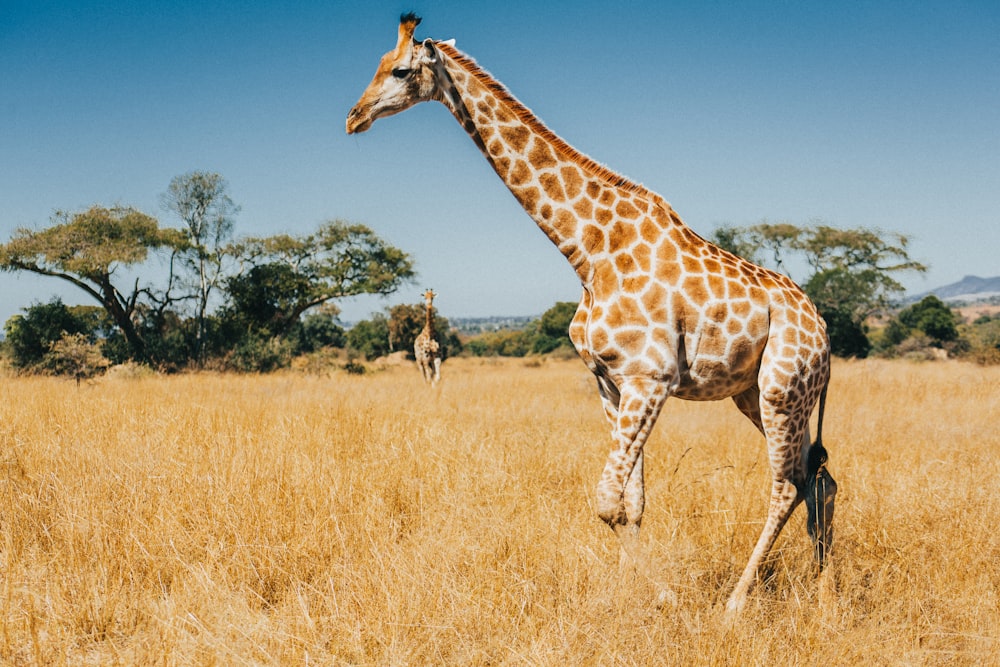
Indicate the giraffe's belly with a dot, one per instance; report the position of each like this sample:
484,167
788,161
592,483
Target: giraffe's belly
699,369
713,381
704,382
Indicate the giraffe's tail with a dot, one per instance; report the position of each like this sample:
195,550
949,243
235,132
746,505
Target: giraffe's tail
817,453
820,490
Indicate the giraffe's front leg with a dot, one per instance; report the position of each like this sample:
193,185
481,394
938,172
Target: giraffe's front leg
621,490
633,408
620,504
633,502
436,373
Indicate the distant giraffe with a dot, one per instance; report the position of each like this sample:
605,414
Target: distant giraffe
425,347
663,312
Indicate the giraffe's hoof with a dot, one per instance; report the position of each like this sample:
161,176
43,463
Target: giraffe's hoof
734,606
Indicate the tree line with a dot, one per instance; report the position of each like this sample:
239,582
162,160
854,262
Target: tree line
255,303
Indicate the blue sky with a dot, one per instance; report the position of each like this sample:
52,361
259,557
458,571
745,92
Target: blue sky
883,115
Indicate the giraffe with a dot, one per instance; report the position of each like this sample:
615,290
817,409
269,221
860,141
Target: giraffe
425,347
663,312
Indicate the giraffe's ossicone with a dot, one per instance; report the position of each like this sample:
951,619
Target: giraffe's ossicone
663,312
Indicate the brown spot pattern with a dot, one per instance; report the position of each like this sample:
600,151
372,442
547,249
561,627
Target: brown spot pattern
584,208
516,136
553,187
572,181
520,174
541,156
627,210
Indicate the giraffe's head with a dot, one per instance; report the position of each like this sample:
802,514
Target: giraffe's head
429,297
405,76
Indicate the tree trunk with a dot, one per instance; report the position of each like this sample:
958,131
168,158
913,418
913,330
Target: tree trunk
123,318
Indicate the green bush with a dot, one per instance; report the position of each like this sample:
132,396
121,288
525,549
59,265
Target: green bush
983,337
930,316
370,337
74,355
31,336
257,354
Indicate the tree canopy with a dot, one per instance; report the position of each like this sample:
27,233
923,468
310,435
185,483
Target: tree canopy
31,336
553,328
87,249
286,275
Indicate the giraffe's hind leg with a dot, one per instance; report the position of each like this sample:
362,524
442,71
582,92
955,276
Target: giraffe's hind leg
784,423
798,469
784,499
819,489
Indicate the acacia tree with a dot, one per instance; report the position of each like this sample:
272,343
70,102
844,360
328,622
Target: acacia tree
763,243
87,250
869,259
200,200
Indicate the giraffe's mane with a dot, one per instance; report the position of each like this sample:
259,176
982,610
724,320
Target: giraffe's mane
525,114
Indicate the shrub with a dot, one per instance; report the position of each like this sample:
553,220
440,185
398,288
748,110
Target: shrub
256,354
983,338
370,337
31,336
354,367
75,356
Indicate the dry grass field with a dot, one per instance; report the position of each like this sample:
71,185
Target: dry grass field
297,519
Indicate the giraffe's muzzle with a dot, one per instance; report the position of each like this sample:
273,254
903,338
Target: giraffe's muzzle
357,121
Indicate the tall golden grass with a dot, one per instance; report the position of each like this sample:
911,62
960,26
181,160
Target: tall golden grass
346,520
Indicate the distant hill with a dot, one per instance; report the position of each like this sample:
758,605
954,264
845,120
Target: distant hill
968,289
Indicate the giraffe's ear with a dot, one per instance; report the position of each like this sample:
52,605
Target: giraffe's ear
429,50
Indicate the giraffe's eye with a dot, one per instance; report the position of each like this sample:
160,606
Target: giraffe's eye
401,72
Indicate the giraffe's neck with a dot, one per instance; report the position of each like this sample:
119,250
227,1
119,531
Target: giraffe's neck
429,321
573,199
